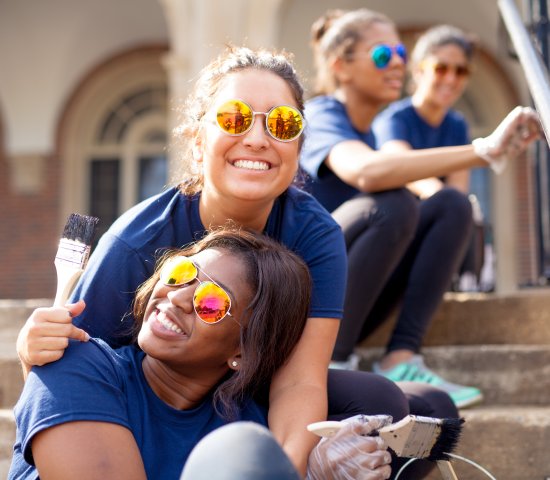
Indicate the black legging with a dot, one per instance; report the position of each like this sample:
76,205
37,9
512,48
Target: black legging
246,451
352,393
400,249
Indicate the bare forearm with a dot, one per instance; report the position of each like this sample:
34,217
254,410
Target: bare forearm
389,170
298,392
383,170
289,415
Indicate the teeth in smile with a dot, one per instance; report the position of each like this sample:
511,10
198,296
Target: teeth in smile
251,165
168,324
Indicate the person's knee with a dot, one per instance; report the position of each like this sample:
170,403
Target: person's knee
354,392
456,204
429,401
240,450
398,214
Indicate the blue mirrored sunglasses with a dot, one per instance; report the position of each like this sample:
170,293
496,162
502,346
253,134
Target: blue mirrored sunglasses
382,53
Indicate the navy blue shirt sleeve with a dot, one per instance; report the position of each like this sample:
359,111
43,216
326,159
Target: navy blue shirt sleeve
389,126
319,240
305,227
327,125
84,385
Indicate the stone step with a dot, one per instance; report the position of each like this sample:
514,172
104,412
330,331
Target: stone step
484,318
510,442
462,319
499,343
507,374
11,382
13,313
7,439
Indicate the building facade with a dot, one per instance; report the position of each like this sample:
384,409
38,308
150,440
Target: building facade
87,91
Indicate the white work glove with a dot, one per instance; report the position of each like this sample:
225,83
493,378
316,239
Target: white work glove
514,134
351,454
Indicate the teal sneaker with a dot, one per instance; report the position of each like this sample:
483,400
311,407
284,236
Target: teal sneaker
416,371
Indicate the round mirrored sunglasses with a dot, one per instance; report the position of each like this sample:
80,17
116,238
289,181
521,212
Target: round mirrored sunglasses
283,122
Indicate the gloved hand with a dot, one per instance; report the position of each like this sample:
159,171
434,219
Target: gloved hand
350,454
514,134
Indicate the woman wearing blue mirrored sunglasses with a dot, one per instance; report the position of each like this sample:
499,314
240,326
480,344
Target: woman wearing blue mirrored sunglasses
401,251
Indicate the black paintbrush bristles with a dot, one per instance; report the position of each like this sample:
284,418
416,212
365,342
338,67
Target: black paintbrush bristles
80,228
72,254
447,440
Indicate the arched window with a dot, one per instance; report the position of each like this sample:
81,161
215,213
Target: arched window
113,136
127,162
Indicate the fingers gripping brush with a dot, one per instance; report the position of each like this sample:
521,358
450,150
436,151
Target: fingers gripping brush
414,437
73,253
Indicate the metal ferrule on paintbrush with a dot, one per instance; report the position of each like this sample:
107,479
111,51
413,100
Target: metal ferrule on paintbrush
73,253
423,437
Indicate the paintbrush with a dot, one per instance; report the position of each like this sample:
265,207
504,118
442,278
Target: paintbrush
412,437
73,253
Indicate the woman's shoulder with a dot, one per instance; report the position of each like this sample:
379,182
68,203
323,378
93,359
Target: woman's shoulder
323,103
301,203
94,355
302,223
151,224
84,365
148,211
456,117
399,108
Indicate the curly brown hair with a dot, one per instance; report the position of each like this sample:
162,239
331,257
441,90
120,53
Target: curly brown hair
272,323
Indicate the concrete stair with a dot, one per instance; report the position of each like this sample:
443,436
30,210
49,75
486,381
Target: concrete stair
13,314
499,343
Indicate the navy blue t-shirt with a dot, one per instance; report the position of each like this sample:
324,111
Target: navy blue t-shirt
125,256
327,125
93,382
401,121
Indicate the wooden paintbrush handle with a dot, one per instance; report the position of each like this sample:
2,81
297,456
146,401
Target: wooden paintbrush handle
447,470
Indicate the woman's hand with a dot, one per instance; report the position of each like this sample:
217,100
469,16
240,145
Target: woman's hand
45,335
514,134
351,454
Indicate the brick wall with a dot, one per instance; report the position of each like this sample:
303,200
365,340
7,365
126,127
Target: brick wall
29,233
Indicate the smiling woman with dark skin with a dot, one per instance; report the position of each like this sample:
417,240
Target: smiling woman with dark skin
215,322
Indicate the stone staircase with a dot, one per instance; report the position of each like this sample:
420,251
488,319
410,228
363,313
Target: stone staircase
499,343
13,314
